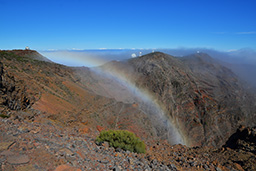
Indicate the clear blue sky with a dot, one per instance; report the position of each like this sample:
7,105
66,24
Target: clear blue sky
90,24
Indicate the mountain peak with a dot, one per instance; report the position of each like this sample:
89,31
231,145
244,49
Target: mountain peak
155,55
155,61
199,58
200,55
27,53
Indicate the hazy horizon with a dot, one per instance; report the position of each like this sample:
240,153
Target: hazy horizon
95,57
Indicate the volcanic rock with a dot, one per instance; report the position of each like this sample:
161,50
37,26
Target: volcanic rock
243,139
18,159
58,127
203,99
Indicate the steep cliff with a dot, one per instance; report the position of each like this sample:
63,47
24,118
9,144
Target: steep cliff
204,100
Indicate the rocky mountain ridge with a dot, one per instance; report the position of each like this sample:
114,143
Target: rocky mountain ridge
204,99
55,90
51,115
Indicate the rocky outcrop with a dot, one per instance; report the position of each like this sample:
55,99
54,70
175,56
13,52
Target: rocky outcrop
243,139
205,101
13,93
55,91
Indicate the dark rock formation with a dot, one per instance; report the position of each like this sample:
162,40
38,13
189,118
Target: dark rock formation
243,139
13,93
205,100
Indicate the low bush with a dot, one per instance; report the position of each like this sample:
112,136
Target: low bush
122,139
4,116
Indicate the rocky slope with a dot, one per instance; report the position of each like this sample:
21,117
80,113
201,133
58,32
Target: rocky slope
46,145
51,115
203,99
37,87
30,55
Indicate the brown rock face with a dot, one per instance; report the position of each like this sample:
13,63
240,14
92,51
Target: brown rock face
68,107
13,93
243,139
18,159
205,100
30,87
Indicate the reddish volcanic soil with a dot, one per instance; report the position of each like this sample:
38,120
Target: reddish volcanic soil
50,116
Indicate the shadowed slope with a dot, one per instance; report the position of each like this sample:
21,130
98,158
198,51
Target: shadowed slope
204,100
32,88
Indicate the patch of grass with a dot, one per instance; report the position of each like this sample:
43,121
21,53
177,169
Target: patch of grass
122,139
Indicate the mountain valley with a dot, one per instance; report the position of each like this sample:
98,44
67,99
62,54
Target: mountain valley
192,112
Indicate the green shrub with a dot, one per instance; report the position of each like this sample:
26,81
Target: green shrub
4,116
122,139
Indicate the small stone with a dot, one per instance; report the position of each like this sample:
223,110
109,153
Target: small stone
154,161
66,151
106,144
98,143
5,145
84,130
100,128
27,168
66,168
130,160
117,168
239,167
18,159
104,161
218,169
192,163
2,159
81,154
7,153
118,149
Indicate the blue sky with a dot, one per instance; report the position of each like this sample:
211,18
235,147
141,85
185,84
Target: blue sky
88,24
